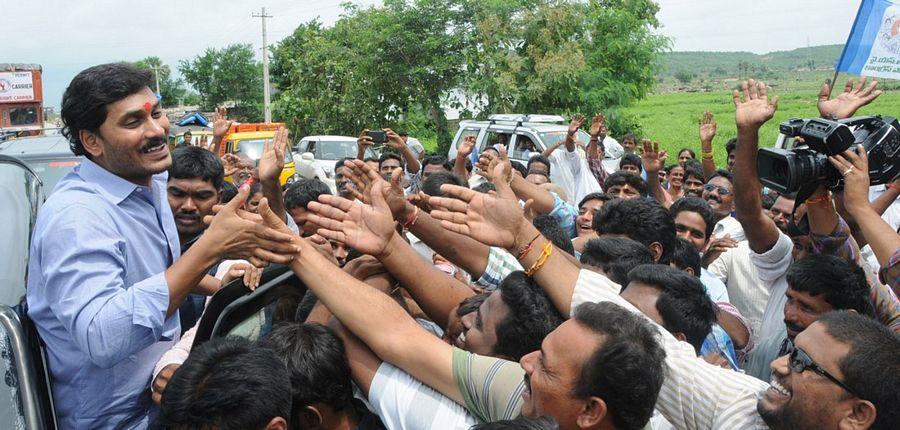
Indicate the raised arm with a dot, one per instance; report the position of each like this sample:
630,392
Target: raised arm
854,166
462,156
598,133
363,143
271,164
848,102
221,124
752,109
654,160
707,134
369,314
396,142
498,220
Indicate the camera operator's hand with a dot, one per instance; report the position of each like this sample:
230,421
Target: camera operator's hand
752,105
853,165
394,139
848,102
364,141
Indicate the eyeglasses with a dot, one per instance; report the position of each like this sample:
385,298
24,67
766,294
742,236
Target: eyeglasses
723,190
800,361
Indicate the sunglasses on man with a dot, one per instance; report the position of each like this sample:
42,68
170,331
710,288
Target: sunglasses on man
723,190
801,361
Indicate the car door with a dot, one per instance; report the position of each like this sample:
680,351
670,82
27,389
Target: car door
236,311
25,401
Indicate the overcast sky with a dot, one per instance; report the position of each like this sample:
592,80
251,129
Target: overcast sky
66,36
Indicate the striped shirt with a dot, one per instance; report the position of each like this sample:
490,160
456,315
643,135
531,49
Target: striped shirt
694,394
492,387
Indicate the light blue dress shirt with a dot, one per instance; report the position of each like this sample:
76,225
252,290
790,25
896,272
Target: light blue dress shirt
98,294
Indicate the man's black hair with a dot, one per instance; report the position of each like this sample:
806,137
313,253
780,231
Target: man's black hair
683,303
871,367
626,178
697,206
471,304
631,159
631,136
228,192
194,162
603,197
531,316
842,283
520,423
689,150
721,173
387,156
519,167
696,173
437,160
402,133
685,256
539,158
626,370
616,256
340,163
85,100
432,185
730,145
317,364
485,187
372,160
303,191
550,229
227,383
643,220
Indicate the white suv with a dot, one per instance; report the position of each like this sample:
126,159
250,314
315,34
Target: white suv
525,136
315,156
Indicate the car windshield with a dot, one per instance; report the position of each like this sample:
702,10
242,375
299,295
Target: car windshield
552,137
51,171
254,149
336,150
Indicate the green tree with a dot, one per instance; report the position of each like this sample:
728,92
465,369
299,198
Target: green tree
230,74
172,90
684,76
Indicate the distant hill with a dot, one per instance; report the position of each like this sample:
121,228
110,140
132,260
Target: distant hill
720,64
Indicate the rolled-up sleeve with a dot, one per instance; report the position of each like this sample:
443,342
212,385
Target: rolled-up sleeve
108,316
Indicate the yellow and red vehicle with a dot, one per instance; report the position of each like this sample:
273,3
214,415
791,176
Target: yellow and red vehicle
250,139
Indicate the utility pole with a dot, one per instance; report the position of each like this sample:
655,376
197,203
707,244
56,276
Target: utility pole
156,75
267,103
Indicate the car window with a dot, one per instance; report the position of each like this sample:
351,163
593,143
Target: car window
336,150
21,191
52,171
496,138
466,132
524,147
254,149
552,137
301,147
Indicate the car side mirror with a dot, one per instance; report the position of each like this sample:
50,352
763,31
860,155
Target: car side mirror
308,156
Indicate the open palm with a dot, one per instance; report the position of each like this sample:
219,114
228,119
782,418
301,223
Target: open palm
848,102
752,105
366,228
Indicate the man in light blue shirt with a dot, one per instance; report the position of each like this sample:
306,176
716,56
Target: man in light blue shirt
106,276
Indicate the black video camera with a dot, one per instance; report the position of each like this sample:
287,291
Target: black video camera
805,165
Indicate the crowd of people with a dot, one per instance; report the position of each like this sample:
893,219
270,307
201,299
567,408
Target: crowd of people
446,294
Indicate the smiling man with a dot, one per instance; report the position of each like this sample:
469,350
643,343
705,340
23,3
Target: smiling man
106,274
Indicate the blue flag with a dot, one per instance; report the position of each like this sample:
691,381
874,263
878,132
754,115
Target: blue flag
873,48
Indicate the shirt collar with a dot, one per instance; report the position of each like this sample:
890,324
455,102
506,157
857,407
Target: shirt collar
116,187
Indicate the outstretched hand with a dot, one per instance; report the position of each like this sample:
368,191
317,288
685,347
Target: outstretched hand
575,124
271,162
366,228
848,102
598,126
221,124
465,148
853,165
652,158
492,219
707,128
364,177
752,105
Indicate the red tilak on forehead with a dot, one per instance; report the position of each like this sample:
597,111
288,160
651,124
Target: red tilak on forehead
148,107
